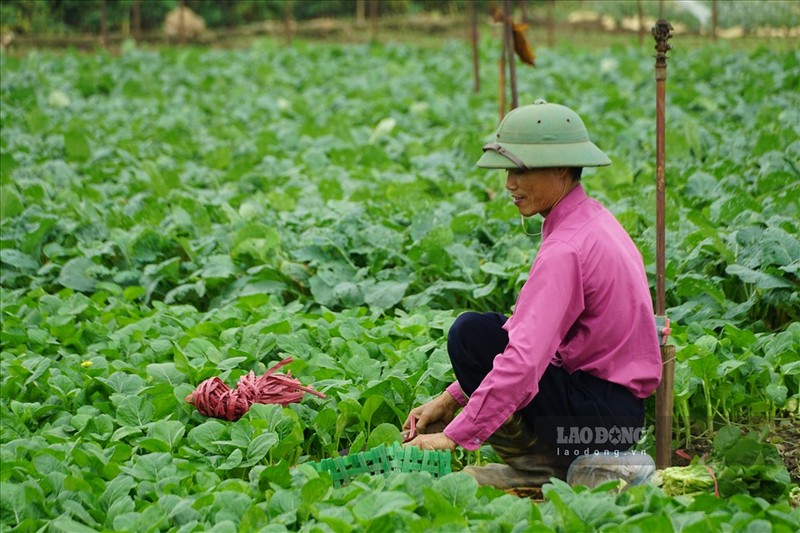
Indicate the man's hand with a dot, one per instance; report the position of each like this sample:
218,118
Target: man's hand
434,415
433,441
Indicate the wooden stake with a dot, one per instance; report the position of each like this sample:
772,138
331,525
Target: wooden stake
103,24
181,25
473,34
550,31
501,83
641,21
137,20
662,32
360,14
714,19
373,18
509,46
665,399
287,21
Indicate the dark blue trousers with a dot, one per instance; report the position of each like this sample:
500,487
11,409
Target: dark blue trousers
574,413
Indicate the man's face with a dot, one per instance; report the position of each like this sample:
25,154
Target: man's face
537,190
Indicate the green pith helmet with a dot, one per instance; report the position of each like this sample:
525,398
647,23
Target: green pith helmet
542,135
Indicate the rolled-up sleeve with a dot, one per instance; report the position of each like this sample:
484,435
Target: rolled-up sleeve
548,304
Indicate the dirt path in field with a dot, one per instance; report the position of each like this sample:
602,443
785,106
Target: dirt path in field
786,437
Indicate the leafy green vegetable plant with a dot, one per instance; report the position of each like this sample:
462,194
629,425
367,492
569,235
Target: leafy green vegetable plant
168,216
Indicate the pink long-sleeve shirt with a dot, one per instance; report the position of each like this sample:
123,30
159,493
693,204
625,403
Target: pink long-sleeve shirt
585,306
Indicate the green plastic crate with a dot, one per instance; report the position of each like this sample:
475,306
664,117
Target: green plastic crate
383,460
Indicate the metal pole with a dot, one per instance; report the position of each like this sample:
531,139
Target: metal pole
473,34
662,32
509,43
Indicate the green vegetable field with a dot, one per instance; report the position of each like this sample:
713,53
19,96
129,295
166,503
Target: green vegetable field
170,216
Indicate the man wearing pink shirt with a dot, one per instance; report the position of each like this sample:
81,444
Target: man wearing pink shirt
565,376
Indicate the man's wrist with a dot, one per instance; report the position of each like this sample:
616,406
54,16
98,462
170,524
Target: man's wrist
456,394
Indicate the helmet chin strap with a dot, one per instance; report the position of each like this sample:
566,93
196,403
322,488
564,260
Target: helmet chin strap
524,230
563,192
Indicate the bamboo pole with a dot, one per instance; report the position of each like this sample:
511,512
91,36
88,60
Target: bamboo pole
509,45
662,32
473,35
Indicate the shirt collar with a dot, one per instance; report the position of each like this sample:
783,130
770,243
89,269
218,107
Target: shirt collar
562,209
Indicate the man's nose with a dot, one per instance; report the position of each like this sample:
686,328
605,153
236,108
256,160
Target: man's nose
511,182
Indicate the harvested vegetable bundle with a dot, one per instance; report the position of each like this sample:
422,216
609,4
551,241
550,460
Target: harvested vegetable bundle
213,398
740,464
684,480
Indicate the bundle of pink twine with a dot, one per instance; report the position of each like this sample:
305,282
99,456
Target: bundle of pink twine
213,398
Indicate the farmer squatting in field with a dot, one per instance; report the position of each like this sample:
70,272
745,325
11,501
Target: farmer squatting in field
566,375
